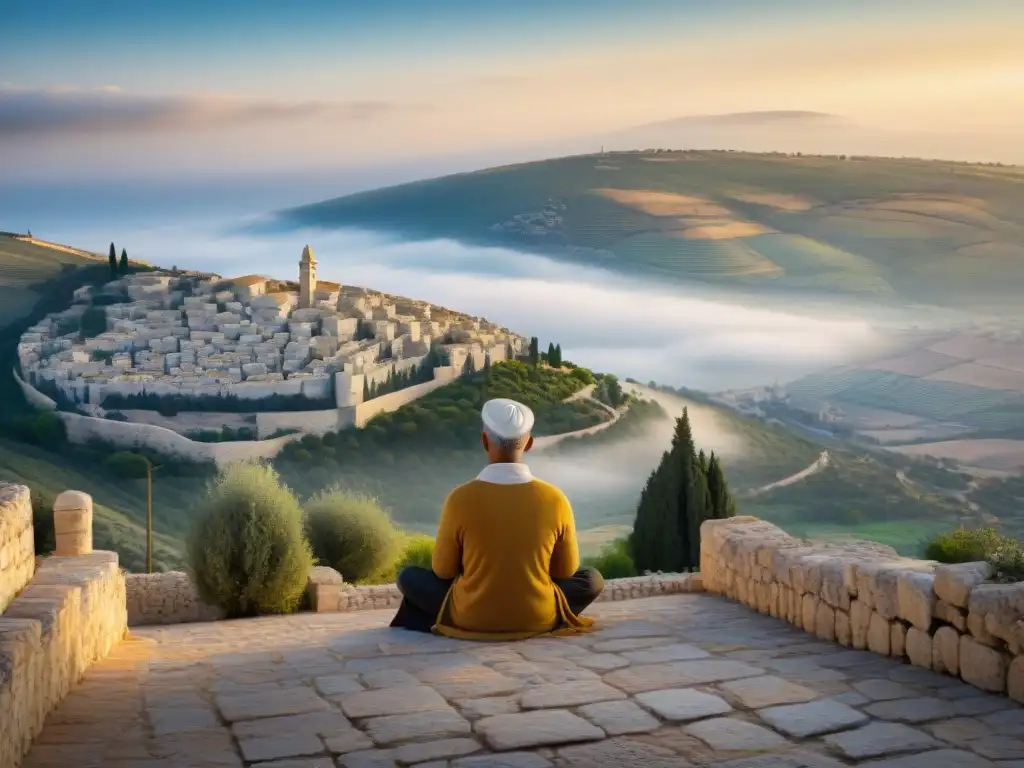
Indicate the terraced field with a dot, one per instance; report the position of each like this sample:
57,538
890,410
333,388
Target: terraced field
897,230
938,400
667,253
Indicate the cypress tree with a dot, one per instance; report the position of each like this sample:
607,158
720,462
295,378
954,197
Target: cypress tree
112,259
366,389
686,488
698,510
558,356
654,542
534,351
722,504
550,356
124,262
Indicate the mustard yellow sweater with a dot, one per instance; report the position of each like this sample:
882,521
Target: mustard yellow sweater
504,545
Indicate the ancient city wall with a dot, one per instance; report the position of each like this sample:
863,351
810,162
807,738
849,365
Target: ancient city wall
133,435
17,548
33,395
363,412
947,618
68,616
167,442
307,422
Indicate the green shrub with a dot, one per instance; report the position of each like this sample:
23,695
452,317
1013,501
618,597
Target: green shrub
417,549
582,374
351,533
247,552
965,545
126,465
43,428
1004,554
1008,562
614,561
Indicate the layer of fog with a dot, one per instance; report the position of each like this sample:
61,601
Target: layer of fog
683,337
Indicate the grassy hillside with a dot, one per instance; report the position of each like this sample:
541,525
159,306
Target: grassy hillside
24,268
902,229
119,514
861,495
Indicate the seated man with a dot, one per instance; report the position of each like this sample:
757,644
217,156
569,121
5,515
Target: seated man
506,563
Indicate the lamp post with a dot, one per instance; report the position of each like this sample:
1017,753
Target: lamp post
150,469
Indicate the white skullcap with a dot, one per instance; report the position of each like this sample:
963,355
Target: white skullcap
507,419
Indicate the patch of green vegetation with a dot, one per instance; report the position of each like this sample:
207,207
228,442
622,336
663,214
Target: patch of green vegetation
893,228
907,537
965,545
614,561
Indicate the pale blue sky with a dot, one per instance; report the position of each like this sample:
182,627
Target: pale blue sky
141,86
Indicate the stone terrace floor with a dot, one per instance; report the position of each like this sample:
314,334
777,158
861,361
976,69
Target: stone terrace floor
682,680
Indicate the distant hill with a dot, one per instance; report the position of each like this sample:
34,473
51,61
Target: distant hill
945,233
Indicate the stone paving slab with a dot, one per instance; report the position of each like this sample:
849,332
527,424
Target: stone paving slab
681,680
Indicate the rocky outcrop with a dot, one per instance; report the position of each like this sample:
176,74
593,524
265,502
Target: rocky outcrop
866,596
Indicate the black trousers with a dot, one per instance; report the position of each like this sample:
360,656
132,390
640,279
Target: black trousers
423,594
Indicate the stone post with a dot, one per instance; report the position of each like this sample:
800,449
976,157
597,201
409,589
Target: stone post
72,523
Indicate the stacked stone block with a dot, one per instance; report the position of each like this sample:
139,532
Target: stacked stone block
69,616
17,548
171,598
863,595
165,598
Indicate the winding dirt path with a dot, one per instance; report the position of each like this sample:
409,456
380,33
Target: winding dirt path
819,464
547,441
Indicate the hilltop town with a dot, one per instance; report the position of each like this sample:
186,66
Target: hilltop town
188,335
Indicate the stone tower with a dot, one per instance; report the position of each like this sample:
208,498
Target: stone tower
307,278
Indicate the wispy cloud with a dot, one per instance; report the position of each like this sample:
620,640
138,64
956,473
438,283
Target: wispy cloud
69,109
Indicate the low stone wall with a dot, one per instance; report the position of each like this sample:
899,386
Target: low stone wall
165,598
332,597
17,547
171,598
69,616
865,596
